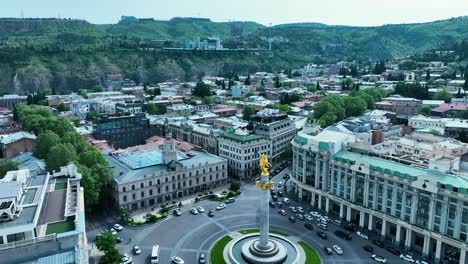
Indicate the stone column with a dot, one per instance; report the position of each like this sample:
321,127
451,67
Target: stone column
312,199
427,240
398,234
327,204
341,210
348,213
361,219
438,250
384,227
264,214
462,256
369,227
319,201
408,238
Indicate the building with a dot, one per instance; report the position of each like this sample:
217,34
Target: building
450,110
13,144
180,110
242,150
203,135
161,171
11,100
212,43
277,128
129,107
421,210
400,105
239,90
123,131
30,212
225,123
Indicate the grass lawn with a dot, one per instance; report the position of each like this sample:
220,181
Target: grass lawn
60,185
60,227
311,256
216,256
257,230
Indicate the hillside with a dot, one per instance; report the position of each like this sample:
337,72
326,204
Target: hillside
73,54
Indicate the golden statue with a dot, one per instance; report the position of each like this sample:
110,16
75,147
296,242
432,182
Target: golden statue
264,165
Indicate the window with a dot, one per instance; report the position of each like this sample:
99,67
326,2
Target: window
125,198
159,181
142,185
133,187
150,183
142,194
151,192
134,196
124,189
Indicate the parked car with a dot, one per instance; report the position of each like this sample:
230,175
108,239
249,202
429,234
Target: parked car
378,243
308,217
202,259
322,235
292,219
112,230
300,209
309,226
300,217
322,226
421,262
338,249
360,234
315,214
349,227
379,259
285,176
194,211
280,184
280,193
279,204
177,260
211,213
272,204
343,235
220,207
118,227
393,250
230,200
200,209
336,222
136,250
119,239
285,200
272,191
407,258
274,197
327,250
126,259
368,249
177,212
282,212
293,209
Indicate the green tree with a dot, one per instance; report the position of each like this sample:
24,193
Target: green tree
327,120
44,142
106,243
61,125
248,112
277,81
287,153
156,91
91,115
285,108
247,80
192,102
425,110
201,89
354,106
6,166
428,75
60,155
208,100
61,107
311,88
151,109
75,140
91,157
443,95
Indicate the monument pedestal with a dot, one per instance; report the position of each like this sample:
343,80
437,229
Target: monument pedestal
253,253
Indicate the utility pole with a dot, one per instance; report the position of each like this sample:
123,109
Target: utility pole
269,37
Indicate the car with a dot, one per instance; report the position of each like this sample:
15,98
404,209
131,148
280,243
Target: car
322,235
349,227
368,249
292,219
211,213
272,204
338,249
272,191
194,211
282,212
379,259
336,222
202,259
177,260
112,230
309,226
177,212
393,250
315,214
378,243
274,197
280,193
118,227
327,250
280,184
285,200
300,217
407,258
220,207
321,221
421,262
300,209
200,209
279,204
136,250
308,217
126,259
361,234
322,226
119,239
343,235
292,209
230,200
285,176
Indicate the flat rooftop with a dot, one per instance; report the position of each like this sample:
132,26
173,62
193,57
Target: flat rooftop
138,160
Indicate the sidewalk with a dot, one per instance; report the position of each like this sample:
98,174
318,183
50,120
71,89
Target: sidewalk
186,200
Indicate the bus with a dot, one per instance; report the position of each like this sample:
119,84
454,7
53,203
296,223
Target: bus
155,254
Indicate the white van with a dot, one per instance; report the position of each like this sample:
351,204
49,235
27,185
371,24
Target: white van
155,254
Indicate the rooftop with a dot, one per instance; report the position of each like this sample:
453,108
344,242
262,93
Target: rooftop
240,137
10,138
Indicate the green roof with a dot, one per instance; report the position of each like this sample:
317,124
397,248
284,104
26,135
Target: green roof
300,140
444,181
242,138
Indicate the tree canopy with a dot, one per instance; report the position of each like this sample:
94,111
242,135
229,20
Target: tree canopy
248,112
6,166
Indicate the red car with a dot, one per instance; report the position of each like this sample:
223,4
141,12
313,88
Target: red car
282,212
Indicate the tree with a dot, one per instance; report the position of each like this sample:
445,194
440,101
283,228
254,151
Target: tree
425,110
75,140
151,109
61,125
326,120
192,102
311,88
247,112
247,80
60,155
45,141
354,106
277,81
285,108
287,153
201,89
443,95
106,243
156,91
91,115
208,100
235,186
6,166
428,75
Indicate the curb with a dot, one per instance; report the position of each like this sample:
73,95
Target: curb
146,225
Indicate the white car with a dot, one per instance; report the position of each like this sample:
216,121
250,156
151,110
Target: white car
362,235
322,226
336,222
379,259
118,227
112,230
408,258
136,250
315,214
194,211
308,217
285,200
300,209
421,262
177,260
220,207
337,249
126,259
200,209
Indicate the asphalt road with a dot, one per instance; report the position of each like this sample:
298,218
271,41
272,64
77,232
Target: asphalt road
189,235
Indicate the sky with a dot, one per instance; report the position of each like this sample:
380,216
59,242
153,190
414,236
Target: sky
332,12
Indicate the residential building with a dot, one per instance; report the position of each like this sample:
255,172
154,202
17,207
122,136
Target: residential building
180,110
400,105
212,43
242,150
225,123
421,210
203,135
450,110
129,107
13,144
239,90
11,100
163,170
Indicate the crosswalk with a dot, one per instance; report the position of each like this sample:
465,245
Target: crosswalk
93,224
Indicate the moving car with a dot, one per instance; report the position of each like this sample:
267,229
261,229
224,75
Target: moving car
220,207
378,243
177,212
136,250
194,211
280,184
322,235
274,197
338,249
393,250
343,235
322,226
126,259
421,262
300,217
112,230
282,212
118,227
336,222
202,259
360,234
379,259
407,257
211,213
200,209
119,239
285,200
327,250
309,226
368,249
272,204
279,204
230,200
155,255
280,193
292,219
285,176
177,260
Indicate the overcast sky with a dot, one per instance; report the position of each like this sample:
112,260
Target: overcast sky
335,12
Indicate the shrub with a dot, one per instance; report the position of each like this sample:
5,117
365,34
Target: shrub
153,218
